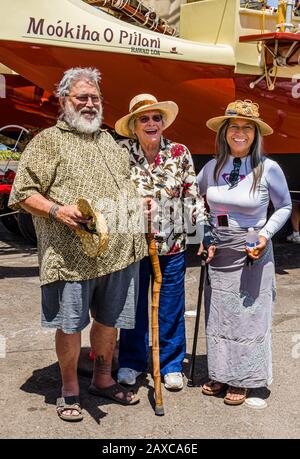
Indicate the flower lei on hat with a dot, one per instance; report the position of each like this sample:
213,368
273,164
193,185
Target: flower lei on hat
243,108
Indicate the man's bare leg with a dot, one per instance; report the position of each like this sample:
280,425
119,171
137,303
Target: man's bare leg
68,351
103,342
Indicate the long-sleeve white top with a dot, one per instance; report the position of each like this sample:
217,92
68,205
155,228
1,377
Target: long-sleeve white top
243,208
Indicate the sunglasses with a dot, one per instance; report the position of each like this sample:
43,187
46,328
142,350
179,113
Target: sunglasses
235,173
145,118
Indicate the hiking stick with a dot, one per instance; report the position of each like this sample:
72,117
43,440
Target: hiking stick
203,257
157,281
159,409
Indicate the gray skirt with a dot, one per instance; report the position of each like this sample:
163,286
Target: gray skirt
238,311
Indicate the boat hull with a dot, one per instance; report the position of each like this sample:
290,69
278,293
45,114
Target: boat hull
200,90
40,40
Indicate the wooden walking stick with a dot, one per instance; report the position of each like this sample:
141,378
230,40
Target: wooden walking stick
157,281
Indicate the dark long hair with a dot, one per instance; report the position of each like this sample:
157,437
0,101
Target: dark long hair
223,151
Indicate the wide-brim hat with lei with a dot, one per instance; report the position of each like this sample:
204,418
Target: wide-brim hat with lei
143,103
243,109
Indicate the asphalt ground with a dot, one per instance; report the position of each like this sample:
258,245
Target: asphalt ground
30,381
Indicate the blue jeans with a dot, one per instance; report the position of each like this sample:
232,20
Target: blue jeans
134,344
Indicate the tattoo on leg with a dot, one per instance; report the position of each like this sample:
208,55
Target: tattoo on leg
100,367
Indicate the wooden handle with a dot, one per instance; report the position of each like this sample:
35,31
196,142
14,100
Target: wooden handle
159,409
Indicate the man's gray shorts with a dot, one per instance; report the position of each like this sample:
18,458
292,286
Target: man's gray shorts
112,300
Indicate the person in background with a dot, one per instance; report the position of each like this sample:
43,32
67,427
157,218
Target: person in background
295,220
163,170
239,183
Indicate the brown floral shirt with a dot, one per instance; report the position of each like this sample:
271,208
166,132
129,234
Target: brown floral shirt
172,183
63,165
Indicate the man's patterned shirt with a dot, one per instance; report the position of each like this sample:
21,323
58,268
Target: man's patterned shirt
63,165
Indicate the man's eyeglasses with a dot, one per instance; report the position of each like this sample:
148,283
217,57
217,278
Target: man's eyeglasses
84,99
235,173
145,118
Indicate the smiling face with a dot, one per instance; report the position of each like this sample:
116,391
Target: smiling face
149,127
82,107
240,136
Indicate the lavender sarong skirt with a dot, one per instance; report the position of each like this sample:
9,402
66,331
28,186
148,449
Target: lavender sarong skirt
238,310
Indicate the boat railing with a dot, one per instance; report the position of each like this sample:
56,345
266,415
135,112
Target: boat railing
277,38
135,11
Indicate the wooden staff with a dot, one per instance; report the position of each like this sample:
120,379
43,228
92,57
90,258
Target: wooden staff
157,281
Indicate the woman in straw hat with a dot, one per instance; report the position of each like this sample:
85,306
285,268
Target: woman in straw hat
164,171
239,184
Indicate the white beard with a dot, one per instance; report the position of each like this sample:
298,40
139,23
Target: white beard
77,121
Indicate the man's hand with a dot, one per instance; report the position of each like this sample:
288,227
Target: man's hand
210,252
71,216
68,215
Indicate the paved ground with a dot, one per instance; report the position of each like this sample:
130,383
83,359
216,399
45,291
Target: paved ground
29,375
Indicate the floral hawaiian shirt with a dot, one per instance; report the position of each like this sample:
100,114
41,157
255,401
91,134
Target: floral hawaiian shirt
171,182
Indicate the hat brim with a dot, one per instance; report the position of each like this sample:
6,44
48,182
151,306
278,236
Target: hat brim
169,110
215,123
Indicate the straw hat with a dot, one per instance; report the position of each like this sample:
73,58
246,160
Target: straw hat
94,236
144,103
243,109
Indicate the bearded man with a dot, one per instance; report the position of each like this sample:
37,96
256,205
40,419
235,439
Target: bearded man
71,160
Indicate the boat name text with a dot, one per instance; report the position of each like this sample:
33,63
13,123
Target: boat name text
81,32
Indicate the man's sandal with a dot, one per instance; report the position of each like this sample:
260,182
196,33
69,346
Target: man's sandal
69,403
235,391
213,387
111,393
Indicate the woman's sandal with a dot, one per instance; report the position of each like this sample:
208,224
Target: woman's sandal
235,391
213,387
69,403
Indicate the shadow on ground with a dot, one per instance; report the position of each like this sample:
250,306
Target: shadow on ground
46,382
200,369
18,271
85,369
287,256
